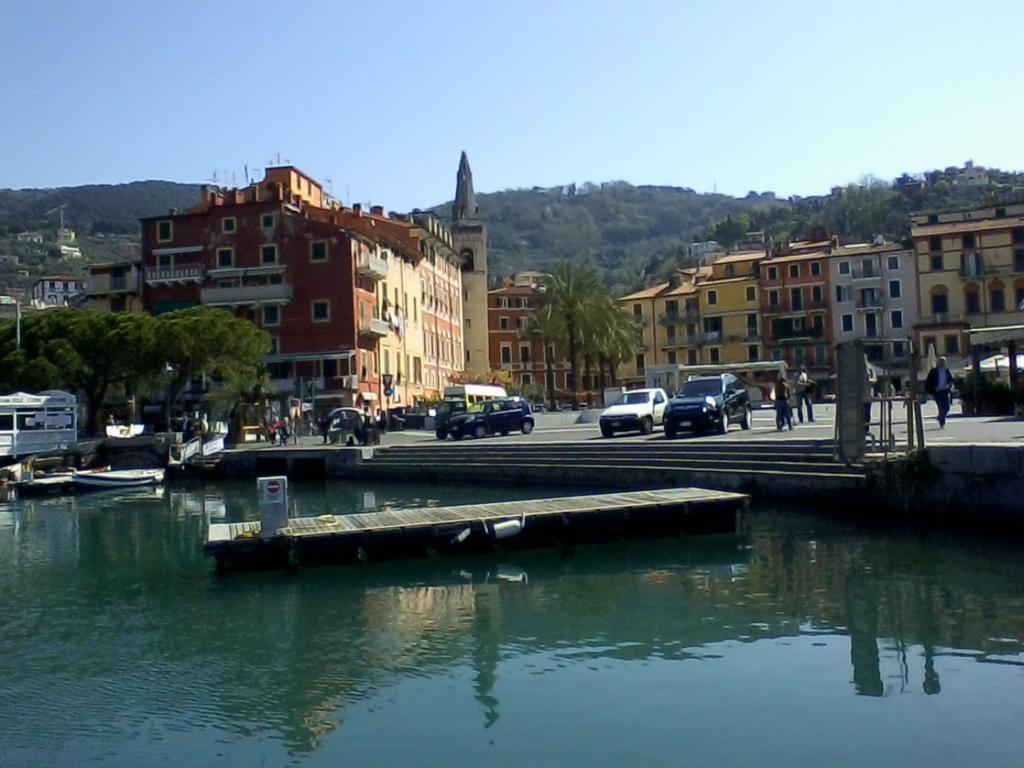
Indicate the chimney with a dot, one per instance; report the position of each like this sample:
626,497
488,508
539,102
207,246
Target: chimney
377,210
174,211
357,209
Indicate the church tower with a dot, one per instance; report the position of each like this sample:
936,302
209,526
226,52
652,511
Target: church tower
469,236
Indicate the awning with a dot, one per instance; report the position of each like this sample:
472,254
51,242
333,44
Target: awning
998,335
295,357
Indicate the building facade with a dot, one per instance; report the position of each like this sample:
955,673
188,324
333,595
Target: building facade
970,266
796,319
114,287
730,309
56,290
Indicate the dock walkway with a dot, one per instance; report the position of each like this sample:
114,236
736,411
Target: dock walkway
473,528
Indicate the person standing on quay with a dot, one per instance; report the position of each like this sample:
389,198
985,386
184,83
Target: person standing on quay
938,385
783,409
804,395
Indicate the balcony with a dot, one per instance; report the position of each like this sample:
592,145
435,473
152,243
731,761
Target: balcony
185,273
246,294
869,305
374,267
104,284
373,326
710,337
679,318
866,276
941,318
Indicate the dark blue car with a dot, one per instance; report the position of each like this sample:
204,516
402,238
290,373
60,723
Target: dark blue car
492,417
712,402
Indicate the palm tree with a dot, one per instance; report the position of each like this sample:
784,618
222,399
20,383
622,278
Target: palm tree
571,291
546,327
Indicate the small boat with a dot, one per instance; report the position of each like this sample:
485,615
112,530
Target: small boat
116,478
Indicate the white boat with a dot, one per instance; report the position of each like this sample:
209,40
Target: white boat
117,478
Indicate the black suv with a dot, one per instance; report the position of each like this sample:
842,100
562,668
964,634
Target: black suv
711,402
490,417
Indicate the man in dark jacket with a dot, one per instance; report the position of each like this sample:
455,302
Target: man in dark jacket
938,385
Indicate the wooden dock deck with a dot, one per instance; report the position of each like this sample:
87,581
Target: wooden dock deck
474,528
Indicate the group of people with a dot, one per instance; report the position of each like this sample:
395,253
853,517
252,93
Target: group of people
783,395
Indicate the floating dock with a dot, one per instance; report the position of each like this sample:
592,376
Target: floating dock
474,528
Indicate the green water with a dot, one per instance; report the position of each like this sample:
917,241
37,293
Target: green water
803,642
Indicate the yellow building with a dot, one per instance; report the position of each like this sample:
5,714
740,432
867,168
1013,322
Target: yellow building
114,287
668,323
970,266
729,304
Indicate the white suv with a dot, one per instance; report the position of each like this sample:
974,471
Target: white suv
638,409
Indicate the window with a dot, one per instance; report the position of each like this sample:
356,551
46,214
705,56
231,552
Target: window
998,298
773,298
524,354
164,231
969,240
940,303
794,270
1019,297
1018,260
796,298
318,250
638,311
818,294
691,357
639,363
268,254
972,301
271,315
844,267
773,273
936,262
751,293
896,318
503,323
228,225
1018,235
899,350
820,354
893,263
671,356
527,380
225,257
952,344
895,289
776,354
321,311
844,293
815,268
847,323
714,355
935,243
267,220
506,354
753,353
712,297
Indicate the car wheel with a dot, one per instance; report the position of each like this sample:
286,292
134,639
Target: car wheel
723,425
527,427
479,431
747,416
646,425
607,431
670,431
441,434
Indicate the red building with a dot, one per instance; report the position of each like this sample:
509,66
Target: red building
795,307
511,347
283,255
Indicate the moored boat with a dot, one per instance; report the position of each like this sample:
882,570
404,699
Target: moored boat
117,478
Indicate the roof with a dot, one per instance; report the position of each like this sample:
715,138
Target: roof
646,293
928,230
795,257
860,249
682,289
59,277
516,290
711,282
740,256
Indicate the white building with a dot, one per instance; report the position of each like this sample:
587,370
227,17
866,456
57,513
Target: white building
55,290
30,237
874,297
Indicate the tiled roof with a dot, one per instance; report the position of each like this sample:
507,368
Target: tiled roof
928,230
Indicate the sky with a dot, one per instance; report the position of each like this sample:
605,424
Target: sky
381,97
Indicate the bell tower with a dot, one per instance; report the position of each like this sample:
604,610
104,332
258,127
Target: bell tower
469,239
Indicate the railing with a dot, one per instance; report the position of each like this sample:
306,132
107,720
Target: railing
866,274
370,265
181,274
797,333
941,318
709,337
246,294
373,326
1000,269
110,284
677,318
868,304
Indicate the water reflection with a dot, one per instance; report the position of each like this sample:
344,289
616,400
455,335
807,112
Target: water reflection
111,622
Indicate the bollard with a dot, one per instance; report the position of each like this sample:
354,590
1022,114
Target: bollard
272,493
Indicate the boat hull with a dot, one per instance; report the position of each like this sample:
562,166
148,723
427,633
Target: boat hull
126,478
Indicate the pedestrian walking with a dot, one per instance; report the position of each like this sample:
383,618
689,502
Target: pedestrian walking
783,408
325,428
939,384
804,395
872,382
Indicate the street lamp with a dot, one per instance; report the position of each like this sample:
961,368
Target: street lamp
8,301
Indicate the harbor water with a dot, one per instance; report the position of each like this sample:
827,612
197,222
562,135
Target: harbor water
800,641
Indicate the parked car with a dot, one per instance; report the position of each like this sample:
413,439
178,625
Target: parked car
347,427
639,409
709,402
500,416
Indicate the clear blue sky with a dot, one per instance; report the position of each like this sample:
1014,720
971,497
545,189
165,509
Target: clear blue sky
380,97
